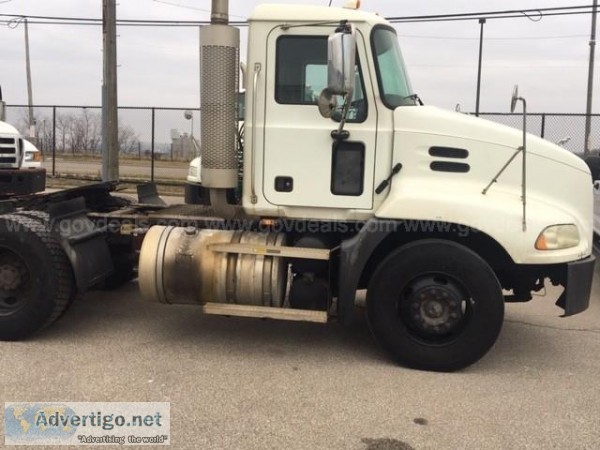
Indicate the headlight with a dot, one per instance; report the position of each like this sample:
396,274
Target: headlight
557,237
28,156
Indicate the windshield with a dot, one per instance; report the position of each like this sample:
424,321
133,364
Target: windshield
394,85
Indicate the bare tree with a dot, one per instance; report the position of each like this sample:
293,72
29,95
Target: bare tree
128,140
78,132
22,124
85,132
63,130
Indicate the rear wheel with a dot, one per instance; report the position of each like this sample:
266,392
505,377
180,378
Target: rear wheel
435,305
36,280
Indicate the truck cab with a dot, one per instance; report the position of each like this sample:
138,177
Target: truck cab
299,170
447,158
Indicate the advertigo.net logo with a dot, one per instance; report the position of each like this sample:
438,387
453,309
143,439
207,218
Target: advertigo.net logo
86,423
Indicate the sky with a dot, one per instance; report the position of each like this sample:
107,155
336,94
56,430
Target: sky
159,66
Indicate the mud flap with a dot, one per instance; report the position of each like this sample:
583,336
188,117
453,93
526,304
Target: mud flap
576,296
83,242
148,194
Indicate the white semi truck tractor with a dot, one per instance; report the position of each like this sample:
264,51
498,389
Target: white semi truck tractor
349,184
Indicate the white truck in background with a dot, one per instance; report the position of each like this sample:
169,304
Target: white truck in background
195,193
20,161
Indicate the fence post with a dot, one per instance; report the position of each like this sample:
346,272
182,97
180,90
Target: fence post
54,141
543,131
152,147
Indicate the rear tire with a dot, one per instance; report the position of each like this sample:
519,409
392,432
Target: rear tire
435,305
36,279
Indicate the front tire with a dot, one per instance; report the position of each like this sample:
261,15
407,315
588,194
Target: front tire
435,305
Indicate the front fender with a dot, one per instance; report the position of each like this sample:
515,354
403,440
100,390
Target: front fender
498,213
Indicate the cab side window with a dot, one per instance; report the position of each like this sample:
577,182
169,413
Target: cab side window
301,74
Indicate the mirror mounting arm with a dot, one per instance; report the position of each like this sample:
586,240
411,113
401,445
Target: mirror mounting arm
344,27
523,150
340,135
336,134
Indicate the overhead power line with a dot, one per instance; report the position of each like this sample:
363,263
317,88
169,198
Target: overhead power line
178,5
140,24
57,20
504,14
507,16
563,10
513,38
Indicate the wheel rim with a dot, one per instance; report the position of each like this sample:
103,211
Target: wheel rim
434,308
14,282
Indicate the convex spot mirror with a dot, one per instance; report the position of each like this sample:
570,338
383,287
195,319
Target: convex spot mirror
515,97
327,103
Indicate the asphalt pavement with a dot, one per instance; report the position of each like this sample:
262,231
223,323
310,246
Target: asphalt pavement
259,384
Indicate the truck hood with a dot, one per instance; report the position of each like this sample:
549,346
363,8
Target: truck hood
460,182
6,128
437,121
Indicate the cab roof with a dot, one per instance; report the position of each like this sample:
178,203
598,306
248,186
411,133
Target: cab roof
311,13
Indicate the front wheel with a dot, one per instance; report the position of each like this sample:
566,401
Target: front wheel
435,305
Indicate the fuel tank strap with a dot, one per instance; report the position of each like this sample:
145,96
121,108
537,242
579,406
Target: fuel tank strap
276,251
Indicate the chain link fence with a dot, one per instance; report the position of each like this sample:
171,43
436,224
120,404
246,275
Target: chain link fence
149,138
566,130
152,137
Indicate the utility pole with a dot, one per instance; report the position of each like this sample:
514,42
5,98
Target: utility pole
29,88
481,22
590,87
110,141
2,107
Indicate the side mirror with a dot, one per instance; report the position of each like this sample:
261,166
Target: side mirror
341,61
515,97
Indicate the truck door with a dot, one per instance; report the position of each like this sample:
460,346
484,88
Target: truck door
303,165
